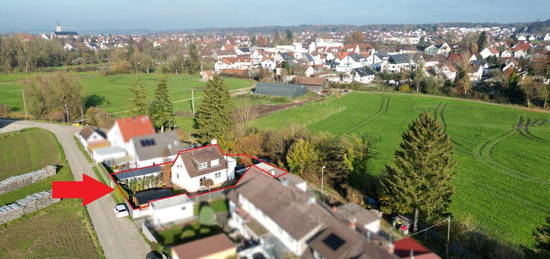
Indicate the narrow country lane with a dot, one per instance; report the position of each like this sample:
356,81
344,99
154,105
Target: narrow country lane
119,237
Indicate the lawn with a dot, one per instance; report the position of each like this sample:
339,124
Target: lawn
502,172
61,230
112,92
181,234
27,150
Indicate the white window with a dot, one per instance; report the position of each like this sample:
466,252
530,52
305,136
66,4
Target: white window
203,165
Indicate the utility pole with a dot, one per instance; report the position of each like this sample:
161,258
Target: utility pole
193,100
81,116
24,103
322,181
448,235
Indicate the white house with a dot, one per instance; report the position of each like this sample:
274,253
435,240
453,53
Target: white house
125,129
362,75
444,49
448,71
193,168
506,54
431,50
398,63
269,64
350,62
91,139
171,209
263,208
488,52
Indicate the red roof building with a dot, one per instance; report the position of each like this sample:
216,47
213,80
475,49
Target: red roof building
135,127
410,248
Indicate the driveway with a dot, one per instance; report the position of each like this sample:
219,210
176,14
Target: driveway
119,237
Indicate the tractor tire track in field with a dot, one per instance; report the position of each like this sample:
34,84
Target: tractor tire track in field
484,151
523,128
384,107
439,114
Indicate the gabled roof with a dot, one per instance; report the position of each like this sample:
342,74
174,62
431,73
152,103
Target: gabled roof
192,157
400,58
364,71
135,126
86,132
304,80
157,145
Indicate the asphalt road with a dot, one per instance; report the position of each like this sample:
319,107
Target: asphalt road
119,237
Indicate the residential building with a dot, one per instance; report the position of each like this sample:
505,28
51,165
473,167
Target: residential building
155,148
125,129
91,139
203,168
279,211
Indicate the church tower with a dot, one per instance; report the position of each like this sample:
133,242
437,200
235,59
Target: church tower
58,27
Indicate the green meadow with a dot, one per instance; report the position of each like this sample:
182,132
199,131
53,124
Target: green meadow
503,175
112,91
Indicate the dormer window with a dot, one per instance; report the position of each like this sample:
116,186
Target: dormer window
203,165
214,162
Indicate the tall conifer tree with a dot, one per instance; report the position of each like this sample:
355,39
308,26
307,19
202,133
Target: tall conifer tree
162,110
140,105
418,181
213,118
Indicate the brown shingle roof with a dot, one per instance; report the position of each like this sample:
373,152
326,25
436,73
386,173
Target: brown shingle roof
314,81
203,247
192,157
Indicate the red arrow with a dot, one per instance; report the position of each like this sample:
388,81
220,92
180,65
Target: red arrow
88,190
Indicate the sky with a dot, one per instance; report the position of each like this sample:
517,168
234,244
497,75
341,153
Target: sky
161,15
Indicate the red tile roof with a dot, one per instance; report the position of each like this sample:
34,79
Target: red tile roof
135,126
403,248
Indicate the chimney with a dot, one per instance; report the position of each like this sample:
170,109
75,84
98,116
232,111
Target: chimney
353,223
214,141
391,248
284,182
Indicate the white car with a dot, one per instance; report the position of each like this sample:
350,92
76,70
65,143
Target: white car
121,210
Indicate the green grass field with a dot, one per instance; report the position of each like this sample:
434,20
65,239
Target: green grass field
27,150
112,92
502,180
62,230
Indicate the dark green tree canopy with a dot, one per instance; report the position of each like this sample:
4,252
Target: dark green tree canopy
420,176
162,110
213,118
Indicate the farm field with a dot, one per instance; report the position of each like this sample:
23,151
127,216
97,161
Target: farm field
502,177
61,230
112,92
27,150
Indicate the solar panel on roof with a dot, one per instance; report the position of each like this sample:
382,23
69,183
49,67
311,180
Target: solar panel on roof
333,241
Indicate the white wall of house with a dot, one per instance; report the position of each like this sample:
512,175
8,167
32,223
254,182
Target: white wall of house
296,246
373,226
163,216
181,178
115,137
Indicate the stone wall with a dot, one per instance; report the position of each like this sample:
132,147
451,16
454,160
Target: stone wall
26,205
19,181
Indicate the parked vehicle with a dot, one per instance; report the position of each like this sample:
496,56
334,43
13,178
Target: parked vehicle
121,210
